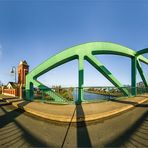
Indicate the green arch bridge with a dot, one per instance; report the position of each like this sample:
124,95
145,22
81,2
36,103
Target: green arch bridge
87,52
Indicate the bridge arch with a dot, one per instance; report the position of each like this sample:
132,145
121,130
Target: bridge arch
86,52
139,67
143,51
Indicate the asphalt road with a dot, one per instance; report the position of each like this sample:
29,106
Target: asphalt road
18,129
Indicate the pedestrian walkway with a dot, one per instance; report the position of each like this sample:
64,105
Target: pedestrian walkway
77,113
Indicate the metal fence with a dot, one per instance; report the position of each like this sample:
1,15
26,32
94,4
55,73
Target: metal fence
69,95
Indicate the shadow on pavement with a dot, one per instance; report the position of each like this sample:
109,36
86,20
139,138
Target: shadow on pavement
83,139
4,103
9,117
82,134
142,105
139,128
69,125
22,104
12,132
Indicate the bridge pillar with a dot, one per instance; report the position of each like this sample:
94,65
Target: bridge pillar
29,91
81,79
133,76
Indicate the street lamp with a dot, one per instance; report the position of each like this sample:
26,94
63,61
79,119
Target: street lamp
13,70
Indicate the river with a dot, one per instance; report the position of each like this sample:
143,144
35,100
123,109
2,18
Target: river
91,96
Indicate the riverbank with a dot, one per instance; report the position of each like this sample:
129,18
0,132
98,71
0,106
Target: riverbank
104,93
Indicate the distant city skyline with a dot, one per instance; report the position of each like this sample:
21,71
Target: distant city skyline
36,30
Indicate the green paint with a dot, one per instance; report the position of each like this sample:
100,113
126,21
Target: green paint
84,52
134,65
139,67
142,73
81,79
143,51
103,70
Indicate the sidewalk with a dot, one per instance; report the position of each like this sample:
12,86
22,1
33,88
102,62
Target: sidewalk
77,113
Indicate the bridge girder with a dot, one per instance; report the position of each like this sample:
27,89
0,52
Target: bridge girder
87,52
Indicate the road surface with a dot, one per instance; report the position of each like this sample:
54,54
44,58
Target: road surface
18,129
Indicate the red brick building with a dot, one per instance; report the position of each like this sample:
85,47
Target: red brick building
23,69
16,89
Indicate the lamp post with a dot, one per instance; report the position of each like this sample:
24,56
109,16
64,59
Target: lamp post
13,70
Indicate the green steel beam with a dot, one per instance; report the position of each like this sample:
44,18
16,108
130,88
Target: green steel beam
73,53
139,55
139,67
81,79
143,51
104,71
133,76
77,52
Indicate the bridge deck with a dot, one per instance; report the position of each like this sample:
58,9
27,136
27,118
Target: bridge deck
76,113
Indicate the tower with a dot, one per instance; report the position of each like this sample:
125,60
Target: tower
23,69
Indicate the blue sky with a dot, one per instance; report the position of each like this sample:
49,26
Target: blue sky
36,30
